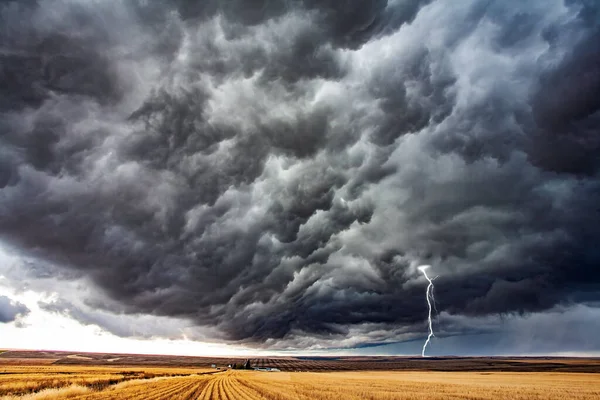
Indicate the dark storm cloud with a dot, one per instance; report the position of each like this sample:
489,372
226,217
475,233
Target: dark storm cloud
138,326
566,109
11,310
343,23
277,170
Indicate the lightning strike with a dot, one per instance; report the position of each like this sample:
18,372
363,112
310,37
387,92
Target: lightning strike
429,297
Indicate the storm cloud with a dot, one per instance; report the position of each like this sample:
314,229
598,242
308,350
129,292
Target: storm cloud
276,171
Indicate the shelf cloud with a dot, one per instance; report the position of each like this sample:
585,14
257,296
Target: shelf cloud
276,171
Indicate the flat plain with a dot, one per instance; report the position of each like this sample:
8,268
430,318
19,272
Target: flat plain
91,376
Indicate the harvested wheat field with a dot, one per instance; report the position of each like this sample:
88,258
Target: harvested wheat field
47,382
59,381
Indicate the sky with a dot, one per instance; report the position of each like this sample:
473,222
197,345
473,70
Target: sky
266,177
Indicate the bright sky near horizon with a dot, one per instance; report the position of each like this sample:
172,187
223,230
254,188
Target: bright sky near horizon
40,329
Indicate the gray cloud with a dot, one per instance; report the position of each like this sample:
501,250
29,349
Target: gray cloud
11,310
275,173
137,326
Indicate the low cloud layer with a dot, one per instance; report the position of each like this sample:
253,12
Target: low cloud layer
275,173
10,310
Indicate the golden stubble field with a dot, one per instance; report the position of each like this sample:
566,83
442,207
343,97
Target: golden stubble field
46,382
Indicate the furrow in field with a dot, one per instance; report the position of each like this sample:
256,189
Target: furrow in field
226,385
149,392
185,391
227,388
206,394
140,391
115,392
170,389
233,386
271,390
245,390
223,395
193,392
252,389
219,392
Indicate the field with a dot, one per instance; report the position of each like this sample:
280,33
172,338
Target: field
52,375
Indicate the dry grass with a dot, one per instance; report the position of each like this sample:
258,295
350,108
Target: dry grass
68,392
251,385
20,380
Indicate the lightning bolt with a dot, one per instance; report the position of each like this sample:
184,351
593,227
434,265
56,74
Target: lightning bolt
429,297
